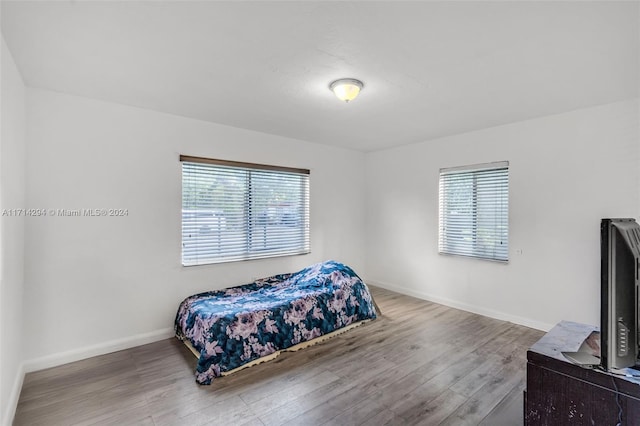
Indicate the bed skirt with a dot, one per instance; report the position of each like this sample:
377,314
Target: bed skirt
274,355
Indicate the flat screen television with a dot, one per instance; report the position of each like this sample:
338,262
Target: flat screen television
620,267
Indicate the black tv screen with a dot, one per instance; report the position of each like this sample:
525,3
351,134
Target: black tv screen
620,267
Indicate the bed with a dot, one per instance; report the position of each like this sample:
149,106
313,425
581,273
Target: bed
240,326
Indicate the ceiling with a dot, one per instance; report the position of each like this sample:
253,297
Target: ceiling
430,68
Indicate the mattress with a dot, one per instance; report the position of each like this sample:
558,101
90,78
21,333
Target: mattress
235,327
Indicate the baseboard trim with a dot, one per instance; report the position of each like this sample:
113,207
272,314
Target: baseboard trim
12,405
61,358
527,322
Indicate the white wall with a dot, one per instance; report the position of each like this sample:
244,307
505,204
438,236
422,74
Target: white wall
567,171
12,185
98,283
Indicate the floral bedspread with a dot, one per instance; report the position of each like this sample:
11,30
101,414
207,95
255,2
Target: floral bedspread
235,326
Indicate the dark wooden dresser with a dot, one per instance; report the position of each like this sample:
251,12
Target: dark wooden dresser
562,393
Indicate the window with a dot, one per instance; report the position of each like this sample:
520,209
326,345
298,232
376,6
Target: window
474,211
238,211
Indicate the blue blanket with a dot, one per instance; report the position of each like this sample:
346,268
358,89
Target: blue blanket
235,326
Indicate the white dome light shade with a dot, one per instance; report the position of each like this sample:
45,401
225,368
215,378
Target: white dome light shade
346,89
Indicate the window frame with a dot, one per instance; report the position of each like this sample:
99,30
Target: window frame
499,187
298,245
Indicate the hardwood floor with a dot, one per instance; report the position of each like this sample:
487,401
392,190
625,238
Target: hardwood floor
418,363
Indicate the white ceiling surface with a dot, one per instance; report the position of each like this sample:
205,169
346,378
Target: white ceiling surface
430,68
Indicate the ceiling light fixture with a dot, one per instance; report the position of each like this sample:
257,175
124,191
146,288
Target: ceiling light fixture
346,89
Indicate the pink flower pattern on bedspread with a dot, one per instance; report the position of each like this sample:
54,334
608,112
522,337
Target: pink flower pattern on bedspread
235,326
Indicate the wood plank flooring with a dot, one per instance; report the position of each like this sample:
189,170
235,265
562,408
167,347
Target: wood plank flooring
418,363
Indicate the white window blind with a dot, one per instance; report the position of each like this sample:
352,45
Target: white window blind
474,211
238,211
